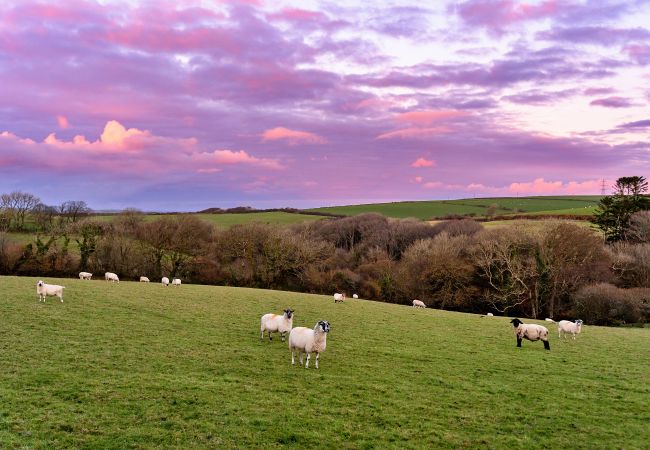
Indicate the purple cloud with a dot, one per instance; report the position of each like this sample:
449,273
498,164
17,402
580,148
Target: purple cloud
637,124
612,102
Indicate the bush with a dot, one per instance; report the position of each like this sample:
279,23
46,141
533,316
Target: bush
605,304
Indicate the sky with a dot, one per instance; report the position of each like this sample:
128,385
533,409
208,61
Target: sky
183,105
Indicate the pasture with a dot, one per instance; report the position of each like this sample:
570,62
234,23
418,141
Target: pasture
135,365
560,205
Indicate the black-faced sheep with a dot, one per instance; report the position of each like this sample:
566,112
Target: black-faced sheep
306,340
567,327
531,332
276,323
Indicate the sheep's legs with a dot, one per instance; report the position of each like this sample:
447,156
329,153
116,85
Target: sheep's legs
270,337
292,360
262,335
282,336
518,342
300,357
307,363
547,346
317,356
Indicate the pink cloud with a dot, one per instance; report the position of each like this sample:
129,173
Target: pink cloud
421,162
418,179
63,122
292,136
429,116
228,157
497,14
414,133
540,186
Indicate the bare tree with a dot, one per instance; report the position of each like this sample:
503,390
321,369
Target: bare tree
16,206
74,210
44,216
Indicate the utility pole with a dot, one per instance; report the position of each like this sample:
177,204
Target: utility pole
603,187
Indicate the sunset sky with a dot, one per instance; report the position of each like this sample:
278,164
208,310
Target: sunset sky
182,105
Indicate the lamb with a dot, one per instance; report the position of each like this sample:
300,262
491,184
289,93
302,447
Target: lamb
419,304
144,280
338,298
176,282
165,281
85,275
274,322
305,340
49,290
532,332
567,327
355,296
110,276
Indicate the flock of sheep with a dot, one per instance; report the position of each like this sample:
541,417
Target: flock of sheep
54,290
307,340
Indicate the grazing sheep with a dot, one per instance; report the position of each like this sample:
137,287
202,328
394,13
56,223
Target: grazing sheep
48,290
305,340
144,280
176,282
490,315
549,320
165,281
110,276
338,298
274,322
567,327
85,275
532,332
355,296
419,304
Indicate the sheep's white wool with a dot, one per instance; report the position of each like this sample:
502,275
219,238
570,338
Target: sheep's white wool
165,281
338,298
531,332
110,276
419,304
273,323
309,341
355,296
144,279
567,327
49,290
85,275
176,282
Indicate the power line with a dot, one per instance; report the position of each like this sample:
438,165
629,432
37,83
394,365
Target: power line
603,187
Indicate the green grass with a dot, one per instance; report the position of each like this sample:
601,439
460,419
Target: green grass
562,205
228,220
141,366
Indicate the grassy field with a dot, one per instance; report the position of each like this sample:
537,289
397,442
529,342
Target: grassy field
537,224
141,366
228,220
564,205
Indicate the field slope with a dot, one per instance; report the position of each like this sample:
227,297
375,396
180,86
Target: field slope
141,366
560,205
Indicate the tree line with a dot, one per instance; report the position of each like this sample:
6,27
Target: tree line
561,270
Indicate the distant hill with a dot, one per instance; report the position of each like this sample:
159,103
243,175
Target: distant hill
584,205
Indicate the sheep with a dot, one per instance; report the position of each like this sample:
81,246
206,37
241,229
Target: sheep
274,322
144,280
532,332
355,296
165,281
490,315
110,276
49,290
305,340
176,282
549,320
85,275
338,298
565,326
419,304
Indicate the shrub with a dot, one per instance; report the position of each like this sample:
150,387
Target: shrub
605,304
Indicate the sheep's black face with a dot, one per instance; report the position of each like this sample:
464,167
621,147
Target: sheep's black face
324,325
516,322
40,283
289,313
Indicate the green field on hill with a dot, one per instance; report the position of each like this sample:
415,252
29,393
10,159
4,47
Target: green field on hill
134,365
563,205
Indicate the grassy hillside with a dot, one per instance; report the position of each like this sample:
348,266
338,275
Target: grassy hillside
228,220
564,205
141,366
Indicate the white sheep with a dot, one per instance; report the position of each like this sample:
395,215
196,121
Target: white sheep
276,323
309,341
165,281
531,332
176,282
549,320
419,304
355,296
567,327
490,315
110,276
85,275
144,280
48,290
338,298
